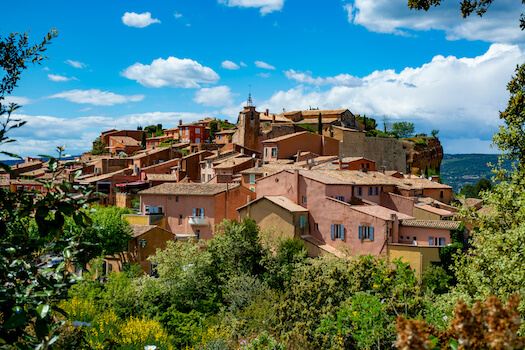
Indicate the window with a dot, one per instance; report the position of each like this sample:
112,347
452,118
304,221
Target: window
377,191
367,165
442,241
197,140
209,177
304,199
252,178
180,219
340,198
203,178
431,240
316,227
302,221
274,152
197,131
370,191
440,194
199,212
338,231
198,233
366,232
252,189
359,191
170,198
265,173
266,152
177,199
219,137
400,238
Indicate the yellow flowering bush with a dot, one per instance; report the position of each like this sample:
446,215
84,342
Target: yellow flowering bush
79,309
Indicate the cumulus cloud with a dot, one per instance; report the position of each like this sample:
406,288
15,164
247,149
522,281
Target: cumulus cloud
216,96
499,24
177,15
96,97
461,97
43,133
56,77
138,20
174,72
266,6
243,64
19,100
306,78
76,64
229,65
263,65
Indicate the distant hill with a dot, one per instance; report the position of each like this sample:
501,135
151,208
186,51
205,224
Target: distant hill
457,170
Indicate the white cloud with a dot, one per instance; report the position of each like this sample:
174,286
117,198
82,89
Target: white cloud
138,20
264,75
229,65
499,24
96,97
461,97
19,100
216,96
264,65
45,68
56,77
243,64
266,6
306,78
76,64
43,133
172,72
177,15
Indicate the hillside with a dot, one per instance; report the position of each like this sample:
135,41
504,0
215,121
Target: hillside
457,170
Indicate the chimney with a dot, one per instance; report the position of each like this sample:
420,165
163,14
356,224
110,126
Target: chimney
340,163
180,122
267,112
395,229
273,118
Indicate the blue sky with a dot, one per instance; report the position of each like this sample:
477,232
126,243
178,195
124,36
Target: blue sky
122,64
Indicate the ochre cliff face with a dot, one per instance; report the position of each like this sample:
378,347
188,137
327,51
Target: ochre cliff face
421,156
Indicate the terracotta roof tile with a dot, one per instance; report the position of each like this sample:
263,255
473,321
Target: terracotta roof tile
189,189
125,140
380,212
440,224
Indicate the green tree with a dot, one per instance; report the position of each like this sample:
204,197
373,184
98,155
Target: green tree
434,132
320,124
403,129
214,127
143,141
99,147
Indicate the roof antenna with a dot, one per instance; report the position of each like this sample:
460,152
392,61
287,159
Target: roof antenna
249,103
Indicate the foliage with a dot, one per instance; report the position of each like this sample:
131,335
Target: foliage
435,279
470,191
403,129
290,253
99,147
154,130
318,289
109,233
320,124
486,326
214,128
143,141
434,132
263,341
369,123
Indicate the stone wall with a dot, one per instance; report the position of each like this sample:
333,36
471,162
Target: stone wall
387,152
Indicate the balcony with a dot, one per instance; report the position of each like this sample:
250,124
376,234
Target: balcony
198,220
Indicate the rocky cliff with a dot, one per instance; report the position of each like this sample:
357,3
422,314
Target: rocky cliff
423,153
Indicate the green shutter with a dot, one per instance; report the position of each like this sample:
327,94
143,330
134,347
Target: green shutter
342,228
333,232
371,233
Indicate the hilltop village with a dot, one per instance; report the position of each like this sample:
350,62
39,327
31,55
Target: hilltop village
314,175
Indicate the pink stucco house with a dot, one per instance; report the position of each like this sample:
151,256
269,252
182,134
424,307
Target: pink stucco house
194,208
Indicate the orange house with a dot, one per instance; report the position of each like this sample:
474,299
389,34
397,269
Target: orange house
126,144
287,146
192,133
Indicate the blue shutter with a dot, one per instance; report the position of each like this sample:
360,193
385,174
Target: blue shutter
194,211
342,228
371,228
430,240
360,232
333,232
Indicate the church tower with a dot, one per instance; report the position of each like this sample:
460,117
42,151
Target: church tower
248,126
